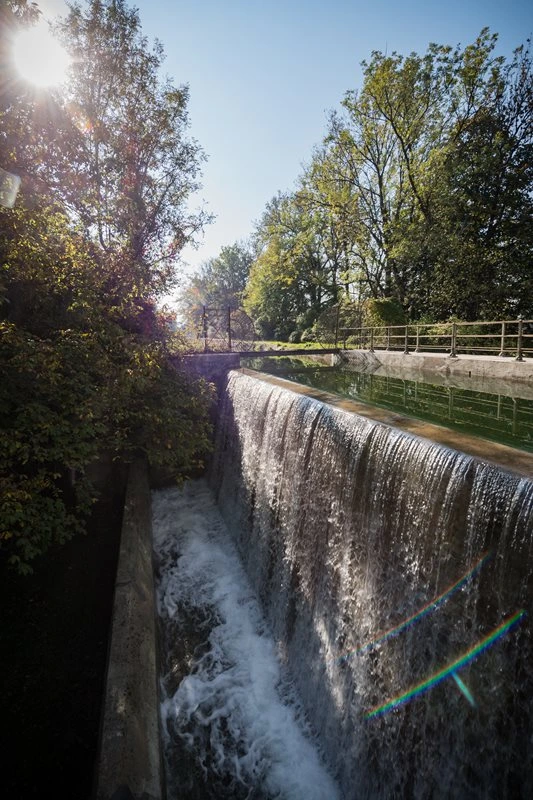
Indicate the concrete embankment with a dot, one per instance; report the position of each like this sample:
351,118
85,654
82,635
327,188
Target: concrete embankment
129,765
425,364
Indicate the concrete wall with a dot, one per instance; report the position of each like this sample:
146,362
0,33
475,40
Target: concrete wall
424,364
211,366
130,764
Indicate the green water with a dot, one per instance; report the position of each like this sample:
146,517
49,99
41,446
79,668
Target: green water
499,417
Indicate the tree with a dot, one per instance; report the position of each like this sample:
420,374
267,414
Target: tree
295,275
82,347
76,384
219,283
486,208
427,179
137,168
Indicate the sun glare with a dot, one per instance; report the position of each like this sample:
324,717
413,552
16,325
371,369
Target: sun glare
39,57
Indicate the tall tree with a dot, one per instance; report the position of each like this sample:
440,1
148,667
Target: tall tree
429,165
295,275
484,269
83,255
220,282
131,183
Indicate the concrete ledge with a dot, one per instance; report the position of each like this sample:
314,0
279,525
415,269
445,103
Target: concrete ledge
504,457
507,369
129,763
211,366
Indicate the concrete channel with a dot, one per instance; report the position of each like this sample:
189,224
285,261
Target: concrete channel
130,765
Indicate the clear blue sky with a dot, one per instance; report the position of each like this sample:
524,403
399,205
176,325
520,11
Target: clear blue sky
264,75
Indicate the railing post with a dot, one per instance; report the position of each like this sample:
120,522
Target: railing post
519,342
337,324
406,347
204,327
502,341
417,348
371,340
453,344
387,344
229,328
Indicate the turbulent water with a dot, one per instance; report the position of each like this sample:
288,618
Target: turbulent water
396,577
232,721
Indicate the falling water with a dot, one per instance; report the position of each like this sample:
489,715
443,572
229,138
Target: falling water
232,722
396,577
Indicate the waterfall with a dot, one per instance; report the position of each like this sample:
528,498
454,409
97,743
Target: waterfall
396,576
232,723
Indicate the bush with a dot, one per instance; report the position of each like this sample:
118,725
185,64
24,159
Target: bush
264,328
82,373
63,401
283,330
383,311
308,335
306,319
295,337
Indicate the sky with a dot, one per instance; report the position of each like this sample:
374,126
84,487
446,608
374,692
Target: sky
264,77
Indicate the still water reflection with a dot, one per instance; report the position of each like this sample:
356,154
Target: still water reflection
502,414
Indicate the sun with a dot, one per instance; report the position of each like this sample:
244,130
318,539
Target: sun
39,58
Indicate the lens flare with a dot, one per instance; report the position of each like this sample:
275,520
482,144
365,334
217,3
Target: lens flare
9,186
39,57
464,689
451,669
431,606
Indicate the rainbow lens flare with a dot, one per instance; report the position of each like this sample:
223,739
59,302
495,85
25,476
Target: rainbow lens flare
451,669
431,606
464,689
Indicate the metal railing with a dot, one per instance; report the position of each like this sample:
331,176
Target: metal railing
498,337
225,330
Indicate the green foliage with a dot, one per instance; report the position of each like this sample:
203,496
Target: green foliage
48,426
135,168
383,311
75,384
293,274
84,254
309,335
220,283
422,191
264,327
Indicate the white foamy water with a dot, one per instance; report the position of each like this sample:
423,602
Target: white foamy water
235,711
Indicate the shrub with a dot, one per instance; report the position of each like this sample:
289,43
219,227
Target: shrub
308,335
380,312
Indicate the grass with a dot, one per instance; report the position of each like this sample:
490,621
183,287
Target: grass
273,345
